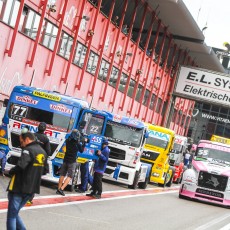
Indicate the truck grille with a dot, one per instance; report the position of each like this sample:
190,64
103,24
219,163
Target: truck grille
212,181
149,155
16,143
115,153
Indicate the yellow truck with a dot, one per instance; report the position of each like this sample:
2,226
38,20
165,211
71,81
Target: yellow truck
156,152
220,139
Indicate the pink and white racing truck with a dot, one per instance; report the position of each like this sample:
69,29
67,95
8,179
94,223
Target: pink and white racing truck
209,177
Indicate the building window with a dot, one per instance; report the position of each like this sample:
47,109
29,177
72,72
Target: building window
152,101
103,73
123,82
114,76
10,12
49,35
65,45
80,55
131,88
146,97
174,115
164,109
29,23
159,102
92,63
139,91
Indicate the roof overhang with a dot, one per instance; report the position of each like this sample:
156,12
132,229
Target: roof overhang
186,32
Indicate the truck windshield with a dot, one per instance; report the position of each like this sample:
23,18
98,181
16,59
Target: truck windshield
93,124
25,113
123,134
177,147
220,155
157,142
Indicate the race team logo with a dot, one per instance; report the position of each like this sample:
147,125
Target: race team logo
61,108
27,99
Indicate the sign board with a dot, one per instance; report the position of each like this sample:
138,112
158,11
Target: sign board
203,85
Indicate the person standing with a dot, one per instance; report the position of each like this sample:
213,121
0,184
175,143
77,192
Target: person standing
26,178
73,145
86,177
99,169
42,139
44,142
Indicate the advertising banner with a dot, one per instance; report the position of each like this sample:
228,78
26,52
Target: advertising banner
203,85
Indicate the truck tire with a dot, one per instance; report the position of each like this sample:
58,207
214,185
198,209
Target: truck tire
75,178
163,185
143,185
171,179
135,181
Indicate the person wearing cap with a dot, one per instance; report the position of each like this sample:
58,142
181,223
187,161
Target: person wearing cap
26,178
73,145
99,169
42,139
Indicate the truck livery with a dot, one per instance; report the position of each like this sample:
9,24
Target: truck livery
209,178
126,139
156,152
176,158
28,106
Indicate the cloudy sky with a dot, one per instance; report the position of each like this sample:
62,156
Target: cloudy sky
215,14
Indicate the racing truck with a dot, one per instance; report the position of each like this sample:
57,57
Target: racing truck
176,158
156,152
28,106
126,139
208,179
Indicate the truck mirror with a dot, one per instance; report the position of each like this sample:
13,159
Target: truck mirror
146,134
5,102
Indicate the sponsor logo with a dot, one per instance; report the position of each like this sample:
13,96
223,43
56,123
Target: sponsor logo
60,108
48,96
158,135
27,99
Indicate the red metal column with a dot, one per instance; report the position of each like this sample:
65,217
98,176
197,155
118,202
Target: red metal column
62,16
78,86
102,97
124,54
149,63
102,49
162,75
42,4
10,50
76,29
138,75
157,66
168,82
174,77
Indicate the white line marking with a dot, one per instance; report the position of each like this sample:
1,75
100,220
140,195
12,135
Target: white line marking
90,201
226,227
211,223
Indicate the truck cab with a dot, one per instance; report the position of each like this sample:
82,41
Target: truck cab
156,152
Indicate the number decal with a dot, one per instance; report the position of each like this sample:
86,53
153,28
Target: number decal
96,139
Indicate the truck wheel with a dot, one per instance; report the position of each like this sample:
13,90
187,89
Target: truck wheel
171,179
135,181
144,184
75,178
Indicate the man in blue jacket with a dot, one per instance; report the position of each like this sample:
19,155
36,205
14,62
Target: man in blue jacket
99,169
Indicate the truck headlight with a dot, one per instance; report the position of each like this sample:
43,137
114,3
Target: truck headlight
155,174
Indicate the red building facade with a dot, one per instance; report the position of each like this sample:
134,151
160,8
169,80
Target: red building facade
118,55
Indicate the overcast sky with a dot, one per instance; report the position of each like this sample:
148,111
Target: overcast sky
215,14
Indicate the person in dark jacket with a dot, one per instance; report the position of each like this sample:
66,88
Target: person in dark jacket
42,139
99,169
44,142
73,145
26,178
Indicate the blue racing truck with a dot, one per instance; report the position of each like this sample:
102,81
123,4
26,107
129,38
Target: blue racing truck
28,106
126,140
